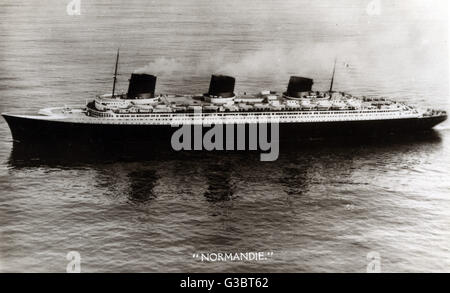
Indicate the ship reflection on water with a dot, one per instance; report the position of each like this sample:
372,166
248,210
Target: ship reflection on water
141,185
219,182
137,170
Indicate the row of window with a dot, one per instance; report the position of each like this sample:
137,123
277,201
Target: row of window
240,114
280,114
283,117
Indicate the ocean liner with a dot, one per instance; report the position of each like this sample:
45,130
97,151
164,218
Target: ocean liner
141,115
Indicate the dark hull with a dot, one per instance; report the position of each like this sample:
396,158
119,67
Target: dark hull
43,131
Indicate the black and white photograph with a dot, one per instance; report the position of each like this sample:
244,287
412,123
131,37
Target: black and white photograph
224,136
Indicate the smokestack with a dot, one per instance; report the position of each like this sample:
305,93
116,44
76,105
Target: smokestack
298,84
141,86
221,85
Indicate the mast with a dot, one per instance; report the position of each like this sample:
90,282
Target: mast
115,74
332,77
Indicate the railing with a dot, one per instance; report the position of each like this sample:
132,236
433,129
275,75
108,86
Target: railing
250,117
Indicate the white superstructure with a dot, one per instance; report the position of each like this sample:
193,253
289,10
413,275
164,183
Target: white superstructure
171,109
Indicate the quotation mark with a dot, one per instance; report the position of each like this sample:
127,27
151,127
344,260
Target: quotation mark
374,8
74,8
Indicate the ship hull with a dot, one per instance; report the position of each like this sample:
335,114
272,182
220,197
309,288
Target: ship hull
28,130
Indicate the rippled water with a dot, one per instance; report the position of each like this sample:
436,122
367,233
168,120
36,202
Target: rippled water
321,207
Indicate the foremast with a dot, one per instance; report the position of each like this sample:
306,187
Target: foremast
115,74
